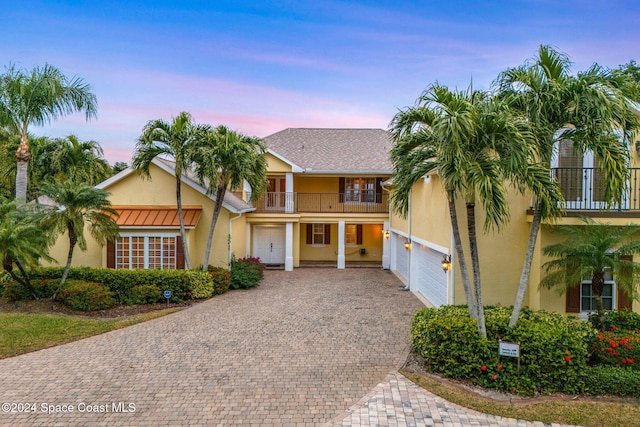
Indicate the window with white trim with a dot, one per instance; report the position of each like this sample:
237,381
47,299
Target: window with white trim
351,234
588,300
146,251
318,234
360,190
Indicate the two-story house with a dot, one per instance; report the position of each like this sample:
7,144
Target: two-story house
325,202
422,243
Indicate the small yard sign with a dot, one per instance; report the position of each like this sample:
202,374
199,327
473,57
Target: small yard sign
509,349
167,295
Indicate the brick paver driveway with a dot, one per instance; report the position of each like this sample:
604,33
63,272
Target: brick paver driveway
298,350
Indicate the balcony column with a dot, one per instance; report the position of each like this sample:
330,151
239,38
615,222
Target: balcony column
341,260
386,247
288,204
288,251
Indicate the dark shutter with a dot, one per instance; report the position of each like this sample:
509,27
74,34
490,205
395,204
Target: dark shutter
378,190
623,300
573,299
179,253
111,254
341,187
327,234
309,234
359,234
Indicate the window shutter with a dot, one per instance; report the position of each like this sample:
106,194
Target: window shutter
573,299
309,234
111,254
378,190
341,187
623,301
327,234
179,253
359,234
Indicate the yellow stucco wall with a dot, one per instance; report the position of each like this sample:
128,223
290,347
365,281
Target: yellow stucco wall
315,184
430,219
275,165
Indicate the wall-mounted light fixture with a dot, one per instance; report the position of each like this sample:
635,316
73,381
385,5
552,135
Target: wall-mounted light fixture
385,234
446,263
407,244
638,147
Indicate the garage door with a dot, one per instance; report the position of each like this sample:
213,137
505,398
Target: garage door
427,276
401,257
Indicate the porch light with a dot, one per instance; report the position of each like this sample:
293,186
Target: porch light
446,263
407,244
385,234
638,147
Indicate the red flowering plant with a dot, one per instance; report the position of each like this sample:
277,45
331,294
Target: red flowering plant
617,348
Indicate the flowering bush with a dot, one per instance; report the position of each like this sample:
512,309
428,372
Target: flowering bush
617,348
86,296
617,320
246,272
221,279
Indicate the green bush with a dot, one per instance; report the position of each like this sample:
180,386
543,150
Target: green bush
607,380
221,279
553,350
246,272
4,279
14,291
616,348
201,284
621,320
86,296
43,288
144,294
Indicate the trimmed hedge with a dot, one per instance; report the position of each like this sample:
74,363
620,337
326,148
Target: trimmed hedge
553,349
221,279
603,380
86,296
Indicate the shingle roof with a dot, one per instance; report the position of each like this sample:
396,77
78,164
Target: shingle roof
326,150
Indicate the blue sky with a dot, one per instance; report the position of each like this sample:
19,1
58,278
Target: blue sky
261,66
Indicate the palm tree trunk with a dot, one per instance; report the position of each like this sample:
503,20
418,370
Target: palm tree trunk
475,262
526,268
7,264
597,287
23,155
72,244
220,192
457,241
185,246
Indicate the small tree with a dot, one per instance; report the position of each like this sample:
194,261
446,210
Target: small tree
590,250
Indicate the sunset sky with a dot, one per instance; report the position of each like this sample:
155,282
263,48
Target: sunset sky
262,66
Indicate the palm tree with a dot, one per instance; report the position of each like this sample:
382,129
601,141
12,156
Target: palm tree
37,97
591,251
23,241
225,159
78,206
588,108
177,141
79,161
475,144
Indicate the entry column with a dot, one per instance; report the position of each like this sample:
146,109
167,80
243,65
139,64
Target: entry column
341,260
288,249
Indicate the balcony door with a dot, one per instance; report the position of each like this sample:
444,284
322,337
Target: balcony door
276,192
580,178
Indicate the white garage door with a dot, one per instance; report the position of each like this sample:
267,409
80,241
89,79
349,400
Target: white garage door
401,257
427,276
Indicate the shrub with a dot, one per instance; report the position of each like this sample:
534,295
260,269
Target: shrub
221,279
553,350
4,279
15,291
43,288
602,380
144,294
623,320
617,348
86,296
201,283
246,272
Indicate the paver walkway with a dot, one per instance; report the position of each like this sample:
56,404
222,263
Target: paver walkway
300,350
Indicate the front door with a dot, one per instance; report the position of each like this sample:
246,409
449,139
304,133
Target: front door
269,244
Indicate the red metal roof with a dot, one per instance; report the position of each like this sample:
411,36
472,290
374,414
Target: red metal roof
156,216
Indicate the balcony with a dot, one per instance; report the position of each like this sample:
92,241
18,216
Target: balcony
356,202
583,190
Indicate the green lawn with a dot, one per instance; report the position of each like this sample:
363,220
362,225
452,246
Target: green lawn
24,332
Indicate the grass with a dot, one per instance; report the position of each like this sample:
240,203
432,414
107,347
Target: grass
24,332
582,413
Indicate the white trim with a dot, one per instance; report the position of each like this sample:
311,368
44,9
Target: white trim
433,246
288,248
341,257
401,233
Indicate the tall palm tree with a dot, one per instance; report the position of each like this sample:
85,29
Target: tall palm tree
475,144
23,241
37,97
225,159
588,108
79,206
590,251
176,140
79,161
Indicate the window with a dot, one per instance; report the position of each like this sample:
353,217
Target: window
318,234
360,190
588,301
155,252
351,234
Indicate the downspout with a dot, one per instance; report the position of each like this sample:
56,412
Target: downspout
230,237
